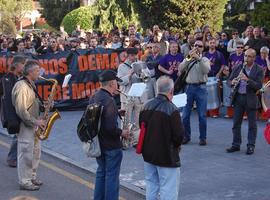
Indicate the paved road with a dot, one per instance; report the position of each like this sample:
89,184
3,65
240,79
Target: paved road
62,181
207,173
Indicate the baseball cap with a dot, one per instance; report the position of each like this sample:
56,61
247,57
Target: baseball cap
108,75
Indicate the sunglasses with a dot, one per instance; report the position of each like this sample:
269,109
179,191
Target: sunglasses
240,47
200,46
126,40
223,35
149,47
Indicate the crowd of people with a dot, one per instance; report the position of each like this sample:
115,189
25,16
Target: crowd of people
243,62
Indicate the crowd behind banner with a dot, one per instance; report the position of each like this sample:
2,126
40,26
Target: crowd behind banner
85,54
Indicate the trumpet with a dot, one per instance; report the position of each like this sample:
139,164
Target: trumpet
189,57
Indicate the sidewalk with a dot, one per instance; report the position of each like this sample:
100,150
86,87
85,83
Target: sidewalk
207,173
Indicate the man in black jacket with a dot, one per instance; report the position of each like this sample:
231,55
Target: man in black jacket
250,77
7,116
107,175
161,146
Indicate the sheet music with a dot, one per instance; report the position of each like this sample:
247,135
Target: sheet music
136,89
66,80
180,100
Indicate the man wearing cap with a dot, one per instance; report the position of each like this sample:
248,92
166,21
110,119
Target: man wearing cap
130,104
107,174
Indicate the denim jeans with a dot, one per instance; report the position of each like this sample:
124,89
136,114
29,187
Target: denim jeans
240,106
163,181
12,154
197,93
107,175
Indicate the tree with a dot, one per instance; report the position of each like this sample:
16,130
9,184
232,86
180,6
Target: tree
181,16
12,10
261,15
238,16
21,9
54,11
104,15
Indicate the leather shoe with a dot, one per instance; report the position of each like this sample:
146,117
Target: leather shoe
31,187
186,140
250,150
12,163
233,149
202,142
37,182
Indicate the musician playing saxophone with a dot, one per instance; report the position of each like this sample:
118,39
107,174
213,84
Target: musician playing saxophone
27,106
247,80
132,105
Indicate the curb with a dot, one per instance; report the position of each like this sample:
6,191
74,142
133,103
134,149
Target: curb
126,186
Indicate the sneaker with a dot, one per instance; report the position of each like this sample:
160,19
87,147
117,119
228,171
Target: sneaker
37,182
233,149
214,116
227,116
30,187
250,150
12,163
202,142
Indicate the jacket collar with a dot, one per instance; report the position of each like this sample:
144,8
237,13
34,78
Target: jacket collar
162,97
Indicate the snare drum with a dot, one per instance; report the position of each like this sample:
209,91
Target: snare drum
213,101
226,94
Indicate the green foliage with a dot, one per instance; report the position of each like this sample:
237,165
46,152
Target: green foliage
103,16
239,15
181,15
54,11
261,15
83,16
12,10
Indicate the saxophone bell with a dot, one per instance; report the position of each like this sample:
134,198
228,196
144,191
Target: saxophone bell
43,134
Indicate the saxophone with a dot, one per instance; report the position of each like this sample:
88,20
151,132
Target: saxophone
43,134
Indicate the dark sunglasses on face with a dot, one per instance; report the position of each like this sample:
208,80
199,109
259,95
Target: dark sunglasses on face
149,47
197,45
240,47
235,34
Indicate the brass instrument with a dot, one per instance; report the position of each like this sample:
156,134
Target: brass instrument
43,134
189,57
126,125
141,71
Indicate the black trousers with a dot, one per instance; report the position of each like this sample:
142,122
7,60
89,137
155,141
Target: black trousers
240,107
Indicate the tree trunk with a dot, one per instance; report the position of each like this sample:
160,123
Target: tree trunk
87,2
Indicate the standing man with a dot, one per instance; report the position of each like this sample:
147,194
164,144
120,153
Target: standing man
251,78
196,90
163,127
7,83
132,105
168,65
27,106
109,163
217,64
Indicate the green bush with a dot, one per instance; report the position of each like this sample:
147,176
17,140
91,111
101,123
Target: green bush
83,16
103,16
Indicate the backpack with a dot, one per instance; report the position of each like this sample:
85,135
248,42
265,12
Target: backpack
88,129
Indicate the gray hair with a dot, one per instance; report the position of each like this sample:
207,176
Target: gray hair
29,66
19,59
265,49
164,85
